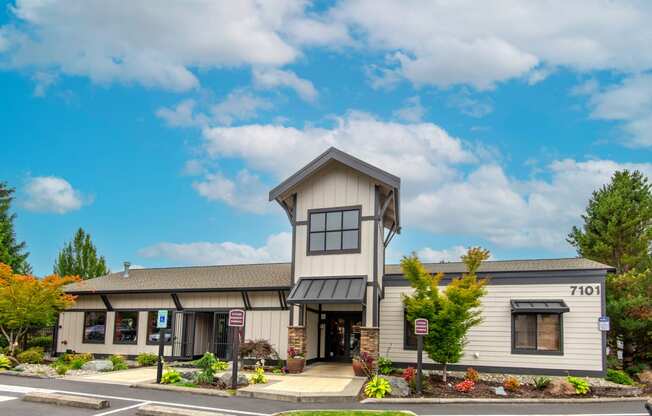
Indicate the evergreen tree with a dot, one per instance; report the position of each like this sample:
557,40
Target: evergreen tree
450,314
12,253
79,258
617,226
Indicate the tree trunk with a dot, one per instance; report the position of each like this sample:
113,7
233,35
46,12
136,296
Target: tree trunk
628,353
444,375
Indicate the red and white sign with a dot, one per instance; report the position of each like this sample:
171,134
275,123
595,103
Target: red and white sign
236,317
420,326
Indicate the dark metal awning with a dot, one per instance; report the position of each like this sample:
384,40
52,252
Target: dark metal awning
539,306
329,290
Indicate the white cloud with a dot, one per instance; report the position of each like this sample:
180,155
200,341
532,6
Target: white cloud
277,248
429,255
51,194
481,43
629,102
238,105
273,78
413,111
245,192
468,105
43,81
182,115
142,42
193,167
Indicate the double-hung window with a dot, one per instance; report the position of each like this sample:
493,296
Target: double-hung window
334,231
537,326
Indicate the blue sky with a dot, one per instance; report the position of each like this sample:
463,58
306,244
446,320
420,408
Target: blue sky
152,128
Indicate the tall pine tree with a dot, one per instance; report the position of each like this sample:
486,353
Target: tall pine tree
12,253
79,258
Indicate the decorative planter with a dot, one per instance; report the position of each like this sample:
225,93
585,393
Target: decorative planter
359,368
296,365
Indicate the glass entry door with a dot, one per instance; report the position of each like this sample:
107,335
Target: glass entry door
342,335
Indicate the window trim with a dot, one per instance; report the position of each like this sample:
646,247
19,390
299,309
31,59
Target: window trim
115,322
535,351
84,341
406,326
170,314
341,251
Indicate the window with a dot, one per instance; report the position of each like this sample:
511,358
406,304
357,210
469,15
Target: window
94,327
409,339
126,327
537,333
153,333
334,231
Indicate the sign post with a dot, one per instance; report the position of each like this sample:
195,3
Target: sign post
420,329
161,324
236,321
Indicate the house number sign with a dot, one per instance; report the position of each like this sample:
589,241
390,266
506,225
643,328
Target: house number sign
585,290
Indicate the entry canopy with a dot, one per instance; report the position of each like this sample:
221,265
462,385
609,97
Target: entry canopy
329,290
539,306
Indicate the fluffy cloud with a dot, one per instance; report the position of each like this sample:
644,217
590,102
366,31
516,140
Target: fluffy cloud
110,41
277,248
274,78
238,105
482,43
429,255
245,192
630,102
413,111
182,115
468,105
51,194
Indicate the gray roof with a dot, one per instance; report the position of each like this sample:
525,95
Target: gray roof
498,266
277,275
239,276
346,159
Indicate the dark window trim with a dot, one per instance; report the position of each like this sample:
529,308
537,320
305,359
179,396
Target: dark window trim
406,327
115,321
535,351
341,251
147,334
84,341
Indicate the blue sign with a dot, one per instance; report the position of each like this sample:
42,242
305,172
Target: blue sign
162,319
603,323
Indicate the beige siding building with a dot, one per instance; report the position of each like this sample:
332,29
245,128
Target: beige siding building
337,297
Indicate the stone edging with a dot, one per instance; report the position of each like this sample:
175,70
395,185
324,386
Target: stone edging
181,389
461,400
28,375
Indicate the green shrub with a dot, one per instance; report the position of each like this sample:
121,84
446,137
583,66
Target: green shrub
258,377
385,366
44,342
170,376
377,388
61,369
119,362
205,364
31,356
220,365
84,356
5,362
580,384
77,363
147,359
541,382
619,377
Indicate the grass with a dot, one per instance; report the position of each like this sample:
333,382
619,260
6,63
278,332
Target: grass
345,413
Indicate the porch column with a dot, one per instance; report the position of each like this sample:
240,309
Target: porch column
370,341
297,338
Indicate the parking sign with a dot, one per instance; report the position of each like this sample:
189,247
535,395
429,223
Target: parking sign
162,319
236,317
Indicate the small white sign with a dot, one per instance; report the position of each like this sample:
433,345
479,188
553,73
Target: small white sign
236,317
603,323
162,319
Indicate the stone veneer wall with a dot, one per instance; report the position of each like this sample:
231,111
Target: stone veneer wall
297,338
370,341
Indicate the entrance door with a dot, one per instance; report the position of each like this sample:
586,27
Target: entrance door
342,336
183,339
221,344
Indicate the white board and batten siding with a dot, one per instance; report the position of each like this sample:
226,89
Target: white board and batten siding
271,326
492,339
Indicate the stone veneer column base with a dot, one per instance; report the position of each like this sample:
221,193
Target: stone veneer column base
297,338
370,341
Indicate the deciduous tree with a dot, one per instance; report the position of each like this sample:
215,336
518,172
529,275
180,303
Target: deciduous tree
27,302
451,312
79,258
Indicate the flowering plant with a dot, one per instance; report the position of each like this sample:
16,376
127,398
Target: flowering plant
293,353
409,374
465,386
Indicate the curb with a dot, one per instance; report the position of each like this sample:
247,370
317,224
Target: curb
66,400
295,397
155,410
181,389
20,374
418,400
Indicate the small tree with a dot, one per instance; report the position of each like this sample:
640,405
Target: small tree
79,258
450,313
12,252
27,302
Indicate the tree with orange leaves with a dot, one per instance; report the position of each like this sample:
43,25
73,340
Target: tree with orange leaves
27,302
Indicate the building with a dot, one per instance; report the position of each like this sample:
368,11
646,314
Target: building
337,297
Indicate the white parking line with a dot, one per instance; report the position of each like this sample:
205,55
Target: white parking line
122,409
7,398
19,389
